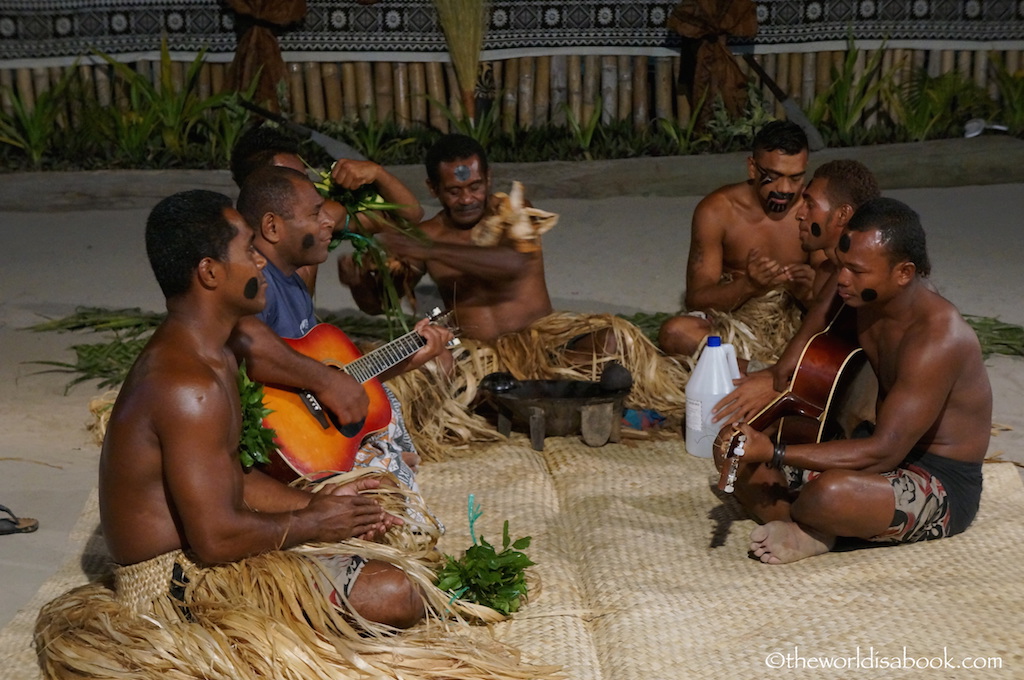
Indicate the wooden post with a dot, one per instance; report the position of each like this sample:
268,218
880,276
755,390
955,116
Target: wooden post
624,68
203,84
981,68
364,91
823,75
418,94
574,69
454,92
435,89
796,76
332,90
403,113
314,85
510,96
384,96
591,85
609,86
663,87
807,91
962,58
641,111
559,88
104,94
297,92
349,88
25,92
526,74
217,76
6,87
542,91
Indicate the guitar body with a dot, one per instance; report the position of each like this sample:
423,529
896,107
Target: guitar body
832,372
305,446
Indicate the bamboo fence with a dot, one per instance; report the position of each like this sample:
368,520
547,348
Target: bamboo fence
530,91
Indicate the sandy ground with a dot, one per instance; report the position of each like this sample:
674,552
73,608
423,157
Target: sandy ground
618,253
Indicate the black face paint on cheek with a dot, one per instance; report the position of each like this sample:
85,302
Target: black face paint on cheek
844,243
869,295
308,242
252,288
461,173
815,229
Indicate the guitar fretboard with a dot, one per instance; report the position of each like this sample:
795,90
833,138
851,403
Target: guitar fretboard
374,363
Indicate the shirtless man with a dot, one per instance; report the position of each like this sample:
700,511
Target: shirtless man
492,290
830,199
170,476
918,475
745,239
263,145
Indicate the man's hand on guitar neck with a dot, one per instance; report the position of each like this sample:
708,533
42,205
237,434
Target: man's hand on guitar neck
437,338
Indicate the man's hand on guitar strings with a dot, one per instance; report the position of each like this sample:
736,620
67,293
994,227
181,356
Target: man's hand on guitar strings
752,393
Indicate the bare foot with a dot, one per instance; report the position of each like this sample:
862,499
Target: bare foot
781,542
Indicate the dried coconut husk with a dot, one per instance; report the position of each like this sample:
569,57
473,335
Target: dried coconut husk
439,408
761,328
267,616
512,221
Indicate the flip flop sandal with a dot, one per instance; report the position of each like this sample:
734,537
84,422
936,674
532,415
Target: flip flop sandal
16,525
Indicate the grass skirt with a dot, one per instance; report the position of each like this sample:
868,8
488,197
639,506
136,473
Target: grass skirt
267,616
761,328
439,408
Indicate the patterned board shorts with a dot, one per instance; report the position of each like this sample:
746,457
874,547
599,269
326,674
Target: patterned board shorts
922,508
342,570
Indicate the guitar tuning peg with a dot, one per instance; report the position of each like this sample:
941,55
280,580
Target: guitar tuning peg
454,342
435,312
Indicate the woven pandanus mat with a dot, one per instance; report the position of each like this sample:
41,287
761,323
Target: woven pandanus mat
643,573
667,554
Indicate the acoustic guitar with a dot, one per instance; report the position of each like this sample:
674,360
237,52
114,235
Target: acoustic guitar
310,441
825,372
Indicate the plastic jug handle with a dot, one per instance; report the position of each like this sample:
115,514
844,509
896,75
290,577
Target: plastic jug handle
734,367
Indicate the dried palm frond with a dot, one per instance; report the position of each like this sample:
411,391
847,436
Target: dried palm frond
440,408
463,24
268,616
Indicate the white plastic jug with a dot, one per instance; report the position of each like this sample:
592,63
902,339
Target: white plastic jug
710,381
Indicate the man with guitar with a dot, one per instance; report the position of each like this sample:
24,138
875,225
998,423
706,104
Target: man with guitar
745,261
830,199
917,476
170,475
293,229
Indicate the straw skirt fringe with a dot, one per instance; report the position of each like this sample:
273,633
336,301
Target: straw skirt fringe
439,407
266,616
761,328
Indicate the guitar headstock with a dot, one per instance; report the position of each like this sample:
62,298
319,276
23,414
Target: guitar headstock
731,464
445,320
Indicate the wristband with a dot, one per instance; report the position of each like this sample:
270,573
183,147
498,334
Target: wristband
778,456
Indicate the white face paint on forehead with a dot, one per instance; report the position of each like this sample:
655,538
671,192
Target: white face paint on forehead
461,172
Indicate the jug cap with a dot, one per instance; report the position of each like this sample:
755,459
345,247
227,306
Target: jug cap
714,341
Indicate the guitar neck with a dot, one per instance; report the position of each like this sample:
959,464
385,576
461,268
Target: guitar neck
387,356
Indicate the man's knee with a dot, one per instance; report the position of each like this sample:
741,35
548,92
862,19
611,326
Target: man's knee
384,594
851,502
681,335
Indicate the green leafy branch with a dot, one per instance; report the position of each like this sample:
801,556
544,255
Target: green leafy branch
366,201
485,576
257,442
